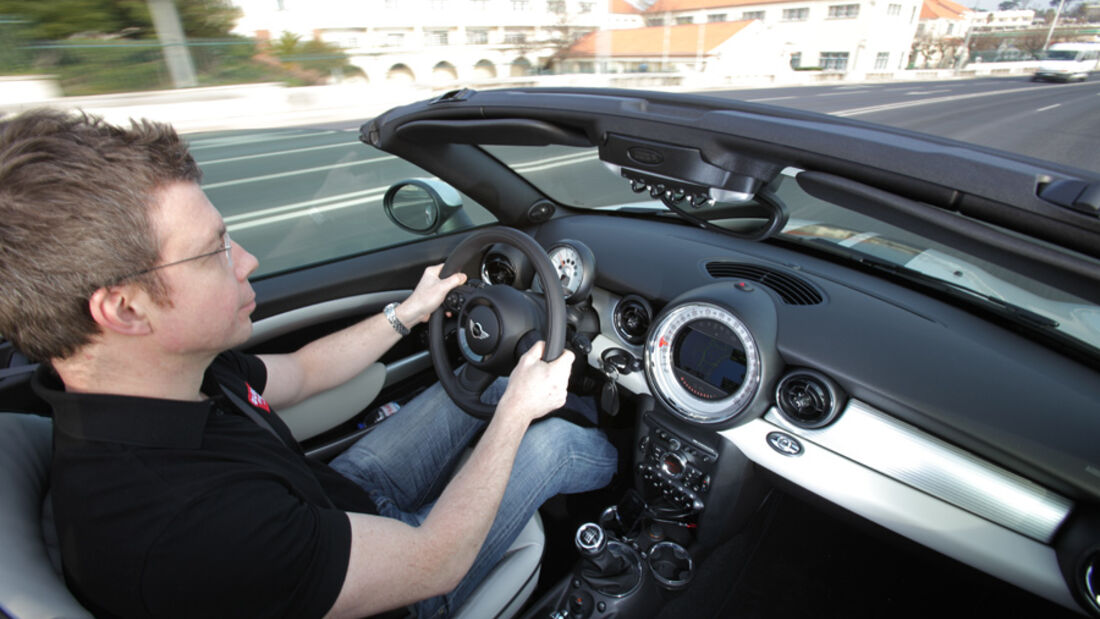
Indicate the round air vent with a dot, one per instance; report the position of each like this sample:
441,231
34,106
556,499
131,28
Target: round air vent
808,399
632,318
498,269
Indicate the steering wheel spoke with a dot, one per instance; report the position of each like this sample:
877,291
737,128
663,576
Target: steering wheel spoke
474,381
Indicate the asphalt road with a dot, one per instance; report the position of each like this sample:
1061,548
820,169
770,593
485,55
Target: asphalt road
303,195
1055,122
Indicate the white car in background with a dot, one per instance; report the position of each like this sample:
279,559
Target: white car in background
1066,62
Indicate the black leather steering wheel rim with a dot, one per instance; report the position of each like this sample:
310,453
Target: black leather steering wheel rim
553,298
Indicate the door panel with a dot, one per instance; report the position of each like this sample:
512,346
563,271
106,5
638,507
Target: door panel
299,307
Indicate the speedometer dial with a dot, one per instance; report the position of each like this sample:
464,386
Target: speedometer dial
703,362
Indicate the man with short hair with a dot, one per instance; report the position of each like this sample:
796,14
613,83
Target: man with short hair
176,491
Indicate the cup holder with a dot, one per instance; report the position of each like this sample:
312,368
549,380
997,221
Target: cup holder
671,565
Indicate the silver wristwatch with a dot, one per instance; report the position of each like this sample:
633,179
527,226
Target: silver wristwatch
395,322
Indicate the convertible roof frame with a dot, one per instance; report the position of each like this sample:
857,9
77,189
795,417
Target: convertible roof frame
750,141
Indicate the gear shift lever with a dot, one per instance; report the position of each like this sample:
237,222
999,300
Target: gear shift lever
607,566
591,541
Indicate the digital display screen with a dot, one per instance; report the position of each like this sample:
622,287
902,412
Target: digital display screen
708,351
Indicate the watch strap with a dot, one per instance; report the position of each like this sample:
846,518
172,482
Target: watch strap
395,322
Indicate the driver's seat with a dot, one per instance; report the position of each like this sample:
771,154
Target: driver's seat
31,587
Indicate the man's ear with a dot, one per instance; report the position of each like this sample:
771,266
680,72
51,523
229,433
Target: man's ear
121,309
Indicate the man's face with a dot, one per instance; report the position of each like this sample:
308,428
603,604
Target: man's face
211,299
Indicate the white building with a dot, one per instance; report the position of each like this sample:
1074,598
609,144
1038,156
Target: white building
843,36
432,41
941,19
439,42
999,21
718,50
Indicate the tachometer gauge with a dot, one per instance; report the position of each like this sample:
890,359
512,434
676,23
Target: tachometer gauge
576,267
568,263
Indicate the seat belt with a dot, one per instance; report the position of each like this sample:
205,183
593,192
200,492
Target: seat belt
252,414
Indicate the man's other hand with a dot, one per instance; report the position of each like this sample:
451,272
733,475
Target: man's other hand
537,387
429,294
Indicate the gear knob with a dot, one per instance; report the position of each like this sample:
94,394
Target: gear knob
590,539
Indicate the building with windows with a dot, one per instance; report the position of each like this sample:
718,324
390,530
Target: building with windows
715,49
440,42
436,41
940,33
838,36
944,19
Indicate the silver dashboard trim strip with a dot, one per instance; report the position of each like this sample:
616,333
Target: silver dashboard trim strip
912,513
902,452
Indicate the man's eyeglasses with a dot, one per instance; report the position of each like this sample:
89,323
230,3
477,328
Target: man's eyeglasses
227,249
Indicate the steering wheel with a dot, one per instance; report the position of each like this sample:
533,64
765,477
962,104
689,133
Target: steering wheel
495,324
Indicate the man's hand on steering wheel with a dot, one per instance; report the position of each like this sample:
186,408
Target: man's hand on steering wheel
536,387
428,295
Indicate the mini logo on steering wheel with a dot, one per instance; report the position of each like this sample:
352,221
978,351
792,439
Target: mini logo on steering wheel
478,331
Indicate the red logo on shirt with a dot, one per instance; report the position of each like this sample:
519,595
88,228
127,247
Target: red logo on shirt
256,399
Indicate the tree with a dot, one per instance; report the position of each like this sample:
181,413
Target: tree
310,61
61,19
1031,42
561,38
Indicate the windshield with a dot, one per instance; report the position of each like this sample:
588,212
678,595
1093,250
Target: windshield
576,177
1064,54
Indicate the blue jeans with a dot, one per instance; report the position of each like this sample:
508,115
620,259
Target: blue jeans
405,463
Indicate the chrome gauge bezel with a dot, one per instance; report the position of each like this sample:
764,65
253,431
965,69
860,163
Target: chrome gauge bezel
662,375
585,264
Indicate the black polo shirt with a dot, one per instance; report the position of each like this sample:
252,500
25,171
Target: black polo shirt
191,509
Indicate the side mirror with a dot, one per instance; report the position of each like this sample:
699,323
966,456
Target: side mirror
425,206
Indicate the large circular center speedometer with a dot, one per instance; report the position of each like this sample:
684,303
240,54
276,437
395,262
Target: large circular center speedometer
703,362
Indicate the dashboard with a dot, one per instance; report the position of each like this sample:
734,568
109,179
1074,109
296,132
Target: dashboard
914,414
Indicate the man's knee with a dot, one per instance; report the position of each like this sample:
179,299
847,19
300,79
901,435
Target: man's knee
557,445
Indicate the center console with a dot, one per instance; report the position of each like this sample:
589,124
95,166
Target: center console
645,549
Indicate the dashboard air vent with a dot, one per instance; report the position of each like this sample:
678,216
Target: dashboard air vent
632,318
808,399
793,290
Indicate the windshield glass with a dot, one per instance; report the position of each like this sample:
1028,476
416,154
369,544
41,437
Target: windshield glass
1061,55
576,177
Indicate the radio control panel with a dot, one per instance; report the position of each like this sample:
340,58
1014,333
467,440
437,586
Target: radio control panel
675,467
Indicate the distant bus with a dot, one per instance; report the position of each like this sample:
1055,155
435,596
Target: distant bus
1065,62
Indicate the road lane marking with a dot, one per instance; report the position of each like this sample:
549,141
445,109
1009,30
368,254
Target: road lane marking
250,138
306,205
267,177
281,152
845,92
928,92
769,99
904,104
318,206
309,211
1049,107
555,162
